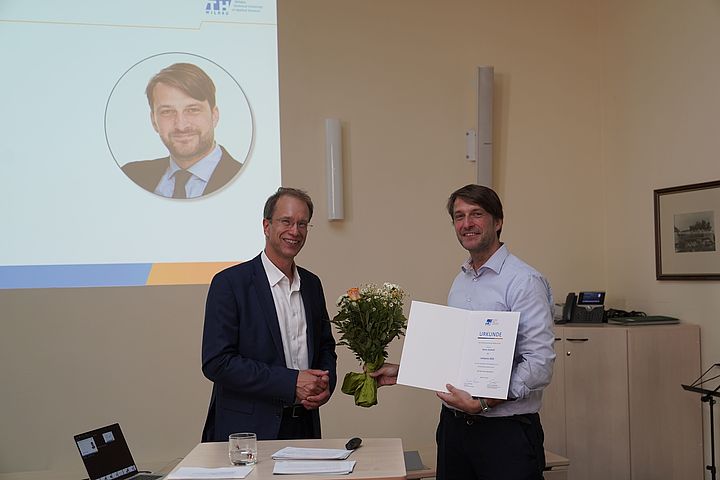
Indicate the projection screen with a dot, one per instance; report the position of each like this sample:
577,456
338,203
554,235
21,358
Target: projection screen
77,122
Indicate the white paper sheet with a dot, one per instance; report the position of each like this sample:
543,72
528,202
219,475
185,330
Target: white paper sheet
295,453
197,473
311,467
472,350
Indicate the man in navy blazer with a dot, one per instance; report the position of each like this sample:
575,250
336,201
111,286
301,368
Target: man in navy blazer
267,342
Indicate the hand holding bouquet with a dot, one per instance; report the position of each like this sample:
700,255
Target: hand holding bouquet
368,319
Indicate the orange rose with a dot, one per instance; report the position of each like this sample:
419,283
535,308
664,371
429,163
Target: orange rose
354,294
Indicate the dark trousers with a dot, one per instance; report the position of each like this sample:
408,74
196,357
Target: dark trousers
489,448
296,424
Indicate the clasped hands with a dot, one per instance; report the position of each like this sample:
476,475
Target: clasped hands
312,388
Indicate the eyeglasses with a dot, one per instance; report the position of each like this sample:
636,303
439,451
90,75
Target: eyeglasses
287,223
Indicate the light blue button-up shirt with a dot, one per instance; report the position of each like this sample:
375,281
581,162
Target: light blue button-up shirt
506,283
201,173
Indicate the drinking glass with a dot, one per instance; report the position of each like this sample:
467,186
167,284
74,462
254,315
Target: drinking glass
242,448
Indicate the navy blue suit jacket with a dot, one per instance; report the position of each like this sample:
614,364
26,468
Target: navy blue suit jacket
242,352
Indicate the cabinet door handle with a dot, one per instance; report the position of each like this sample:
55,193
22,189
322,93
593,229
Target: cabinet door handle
577,339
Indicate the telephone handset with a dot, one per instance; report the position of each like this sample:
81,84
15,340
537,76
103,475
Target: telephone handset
568,307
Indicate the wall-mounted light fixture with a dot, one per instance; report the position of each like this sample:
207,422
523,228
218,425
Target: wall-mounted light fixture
485,89
333,168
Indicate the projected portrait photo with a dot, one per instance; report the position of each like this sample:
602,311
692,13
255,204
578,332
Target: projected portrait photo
184,108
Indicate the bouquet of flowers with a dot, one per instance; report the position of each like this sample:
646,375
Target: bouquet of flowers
368,319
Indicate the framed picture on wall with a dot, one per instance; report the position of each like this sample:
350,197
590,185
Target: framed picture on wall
686,244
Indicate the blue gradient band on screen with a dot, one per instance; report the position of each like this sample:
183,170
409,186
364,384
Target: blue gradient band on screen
69,276
109,275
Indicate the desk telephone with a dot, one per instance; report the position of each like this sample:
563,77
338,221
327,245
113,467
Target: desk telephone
586,307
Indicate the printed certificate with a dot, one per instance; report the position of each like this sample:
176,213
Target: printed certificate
472,350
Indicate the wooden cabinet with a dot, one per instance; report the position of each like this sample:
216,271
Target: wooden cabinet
616,408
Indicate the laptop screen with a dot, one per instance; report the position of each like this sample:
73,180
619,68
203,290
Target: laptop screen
105,453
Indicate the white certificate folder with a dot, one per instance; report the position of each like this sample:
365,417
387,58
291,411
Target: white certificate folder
469,349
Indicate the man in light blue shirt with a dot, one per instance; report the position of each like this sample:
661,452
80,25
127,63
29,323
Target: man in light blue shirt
485,437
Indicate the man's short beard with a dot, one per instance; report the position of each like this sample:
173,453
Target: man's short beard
204,148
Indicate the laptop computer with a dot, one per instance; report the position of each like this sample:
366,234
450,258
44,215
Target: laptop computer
106,455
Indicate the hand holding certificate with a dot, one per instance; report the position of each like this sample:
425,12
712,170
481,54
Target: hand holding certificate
472,350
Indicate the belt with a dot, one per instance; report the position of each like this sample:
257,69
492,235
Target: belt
294,411
471,419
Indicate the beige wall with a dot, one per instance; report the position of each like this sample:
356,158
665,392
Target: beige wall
400,76
598,103
660,129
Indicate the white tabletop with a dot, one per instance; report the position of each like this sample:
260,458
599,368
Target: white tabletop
377,458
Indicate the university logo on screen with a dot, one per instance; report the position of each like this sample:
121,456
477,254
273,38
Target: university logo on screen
218,7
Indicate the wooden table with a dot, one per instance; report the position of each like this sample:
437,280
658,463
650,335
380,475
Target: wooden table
377,458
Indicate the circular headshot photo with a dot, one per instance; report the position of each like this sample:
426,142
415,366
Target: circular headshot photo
179,125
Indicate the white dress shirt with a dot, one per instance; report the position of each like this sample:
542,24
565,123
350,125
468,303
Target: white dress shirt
290,312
